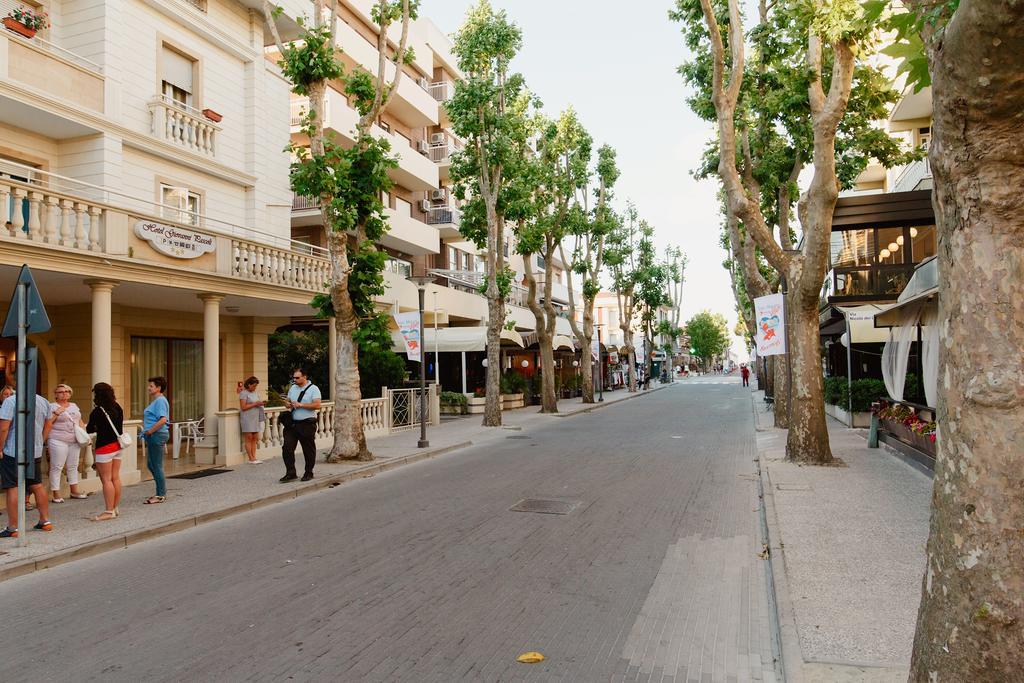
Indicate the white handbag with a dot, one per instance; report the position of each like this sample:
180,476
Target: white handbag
123,438
81,436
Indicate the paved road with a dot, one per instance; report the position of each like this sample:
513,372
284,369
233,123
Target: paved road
425,574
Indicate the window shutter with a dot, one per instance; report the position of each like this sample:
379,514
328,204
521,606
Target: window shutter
177,69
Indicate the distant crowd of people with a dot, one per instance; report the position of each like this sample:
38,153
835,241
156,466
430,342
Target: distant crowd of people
59,425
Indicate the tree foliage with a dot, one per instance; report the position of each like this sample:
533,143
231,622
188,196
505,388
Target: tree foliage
709,334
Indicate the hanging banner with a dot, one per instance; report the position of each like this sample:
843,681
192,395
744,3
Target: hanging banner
409,327
595,349
770,317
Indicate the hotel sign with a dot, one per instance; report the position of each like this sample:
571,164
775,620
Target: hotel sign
175,241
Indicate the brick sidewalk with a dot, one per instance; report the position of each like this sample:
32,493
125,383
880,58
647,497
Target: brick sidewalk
849,554
244,487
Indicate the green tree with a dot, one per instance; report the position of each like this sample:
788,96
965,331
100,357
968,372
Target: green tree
560,170
709,335
483,112
349,184
630,256
589,228
790,105
651,296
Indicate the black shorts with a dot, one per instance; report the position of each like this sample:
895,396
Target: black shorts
9,474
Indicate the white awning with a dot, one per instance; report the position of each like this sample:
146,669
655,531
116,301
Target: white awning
562,342
456,339
862,323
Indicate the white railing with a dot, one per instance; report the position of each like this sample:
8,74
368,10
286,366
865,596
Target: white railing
58,51
405,409
262,263
64,187
442,154
912,175
299,107
303,203
183,125
444,215
442,90
34,214
376,417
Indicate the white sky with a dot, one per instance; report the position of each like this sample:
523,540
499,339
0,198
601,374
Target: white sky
615,63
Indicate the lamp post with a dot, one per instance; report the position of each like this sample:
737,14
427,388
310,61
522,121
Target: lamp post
600,366
421,282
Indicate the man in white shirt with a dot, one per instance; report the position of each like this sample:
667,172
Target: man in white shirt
303,401
9,465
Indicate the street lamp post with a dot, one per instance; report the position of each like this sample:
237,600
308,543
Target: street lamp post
421,282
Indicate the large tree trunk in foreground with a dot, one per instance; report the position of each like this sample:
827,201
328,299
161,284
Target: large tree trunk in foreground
780,390
586,358
495,321
807,439
971,622
349,439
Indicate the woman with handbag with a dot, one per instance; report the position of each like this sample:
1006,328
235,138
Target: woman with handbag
155,433
106,421
251,418
63,443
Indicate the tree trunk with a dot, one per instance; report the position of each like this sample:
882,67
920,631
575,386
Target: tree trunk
545,319
495,321
971,622
586,357
548,397
780,390
807,439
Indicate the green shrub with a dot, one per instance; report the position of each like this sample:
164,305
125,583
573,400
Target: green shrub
453,398
835,391
866,392
513,383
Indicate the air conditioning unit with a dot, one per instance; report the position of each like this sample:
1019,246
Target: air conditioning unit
425,205
424,83
439,195
437,138
422,147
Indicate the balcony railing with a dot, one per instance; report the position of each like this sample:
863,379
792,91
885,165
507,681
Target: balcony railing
871,283
301,203
912,176
444,215
51,209
183,125
442,90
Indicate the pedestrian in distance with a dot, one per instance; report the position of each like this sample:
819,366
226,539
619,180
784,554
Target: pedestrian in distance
251,418
300,425
62,444
155,432
745,373
9,464
106,421
8,390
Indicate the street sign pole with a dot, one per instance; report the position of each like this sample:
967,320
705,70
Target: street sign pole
21,405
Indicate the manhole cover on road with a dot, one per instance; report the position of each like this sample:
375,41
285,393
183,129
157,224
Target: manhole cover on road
545,507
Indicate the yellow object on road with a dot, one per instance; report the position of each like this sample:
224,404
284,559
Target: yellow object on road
530,658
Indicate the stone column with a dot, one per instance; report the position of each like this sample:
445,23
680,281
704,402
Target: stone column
206,452
332,350
102,294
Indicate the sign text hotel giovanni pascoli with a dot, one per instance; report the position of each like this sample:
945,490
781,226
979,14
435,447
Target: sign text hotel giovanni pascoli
175,241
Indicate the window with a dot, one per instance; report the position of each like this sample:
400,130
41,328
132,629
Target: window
384,125
540,261
402,207
453,258
398,266
922,239
506,247
180,204
176,75
467,262
181,362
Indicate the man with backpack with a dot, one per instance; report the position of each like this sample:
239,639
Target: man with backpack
300,425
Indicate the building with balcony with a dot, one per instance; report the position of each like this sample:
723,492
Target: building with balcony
143,179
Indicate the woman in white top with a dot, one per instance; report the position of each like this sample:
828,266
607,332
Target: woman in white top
251,418
61,443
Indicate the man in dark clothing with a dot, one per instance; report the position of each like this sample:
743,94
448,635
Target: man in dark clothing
745,372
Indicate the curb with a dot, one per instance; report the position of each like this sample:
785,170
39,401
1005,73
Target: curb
791,657
120,541
597,406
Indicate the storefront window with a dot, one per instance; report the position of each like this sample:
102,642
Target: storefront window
889,247
923,240
850,248
178,360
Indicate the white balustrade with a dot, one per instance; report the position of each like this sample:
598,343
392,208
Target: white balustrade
40,215
182,125
375,415
273,265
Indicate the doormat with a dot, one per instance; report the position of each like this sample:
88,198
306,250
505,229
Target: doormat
199,474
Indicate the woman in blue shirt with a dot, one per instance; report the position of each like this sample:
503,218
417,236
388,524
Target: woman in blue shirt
155,432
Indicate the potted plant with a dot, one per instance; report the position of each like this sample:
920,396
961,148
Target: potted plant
212,115
453,403
26,22
513,386
477,402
